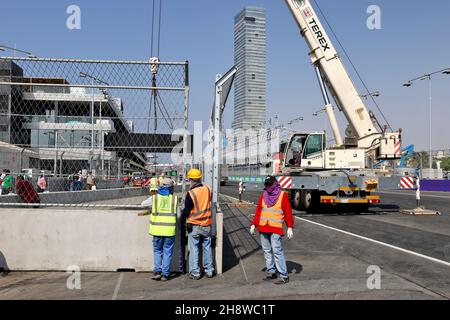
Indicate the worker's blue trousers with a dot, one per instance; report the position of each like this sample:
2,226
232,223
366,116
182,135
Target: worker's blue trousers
162,254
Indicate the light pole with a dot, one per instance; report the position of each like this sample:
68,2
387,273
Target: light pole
29,54
430,99
93,81
371,94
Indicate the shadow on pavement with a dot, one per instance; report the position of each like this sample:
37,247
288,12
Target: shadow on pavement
238,242
4,269
292,267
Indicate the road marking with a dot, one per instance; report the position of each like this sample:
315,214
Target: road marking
378,242
116,290
423,195
374,241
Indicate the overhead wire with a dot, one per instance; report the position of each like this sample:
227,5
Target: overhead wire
352,64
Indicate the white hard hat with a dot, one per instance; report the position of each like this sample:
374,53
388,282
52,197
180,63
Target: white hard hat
167,182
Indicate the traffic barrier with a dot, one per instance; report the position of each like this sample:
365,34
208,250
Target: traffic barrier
407,183
94,240
85,196
285,182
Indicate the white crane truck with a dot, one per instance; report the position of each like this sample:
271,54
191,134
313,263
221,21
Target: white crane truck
316,175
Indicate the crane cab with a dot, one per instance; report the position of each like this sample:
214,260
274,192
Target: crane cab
305,150
308,152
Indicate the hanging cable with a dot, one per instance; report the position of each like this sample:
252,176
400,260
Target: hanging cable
153,27
351,62
159,25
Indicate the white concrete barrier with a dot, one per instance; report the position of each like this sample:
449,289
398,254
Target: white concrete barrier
94,240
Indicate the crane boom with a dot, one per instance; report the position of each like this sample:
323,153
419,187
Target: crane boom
324,57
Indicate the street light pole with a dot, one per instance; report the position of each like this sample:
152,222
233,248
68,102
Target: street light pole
29,54
93,80
430,99
430,157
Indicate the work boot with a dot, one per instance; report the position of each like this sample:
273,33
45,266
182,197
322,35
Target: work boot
156,276
164,278
282,281
270,276
194,277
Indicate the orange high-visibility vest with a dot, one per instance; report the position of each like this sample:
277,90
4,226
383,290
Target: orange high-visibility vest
274,216
201,214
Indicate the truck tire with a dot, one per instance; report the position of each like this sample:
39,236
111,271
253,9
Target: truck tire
297,201
310,201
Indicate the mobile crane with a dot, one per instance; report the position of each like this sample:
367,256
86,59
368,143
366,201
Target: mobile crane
340,174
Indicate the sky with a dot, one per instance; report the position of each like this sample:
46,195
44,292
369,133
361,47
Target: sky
413,40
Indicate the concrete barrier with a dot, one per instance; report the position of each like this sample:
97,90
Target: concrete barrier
94,240
77,197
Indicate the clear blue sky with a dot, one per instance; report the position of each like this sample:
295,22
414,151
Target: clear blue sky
413,41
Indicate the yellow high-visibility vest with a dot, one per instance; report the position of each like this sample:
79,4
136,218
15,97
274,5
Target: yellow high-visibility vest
153,184
163,219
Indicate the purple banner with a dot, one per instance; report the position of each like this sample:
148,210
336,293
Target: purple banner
435,185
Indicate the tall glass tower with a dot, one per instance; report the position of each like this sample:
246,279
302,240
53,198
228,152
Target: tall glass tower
250,58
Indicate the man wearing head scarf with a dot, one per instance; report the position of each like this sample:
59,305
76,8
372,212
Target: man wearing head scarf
163,220
25,190
273,209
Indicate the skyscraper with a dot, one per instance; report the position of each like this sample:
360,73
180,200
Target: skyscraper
250,58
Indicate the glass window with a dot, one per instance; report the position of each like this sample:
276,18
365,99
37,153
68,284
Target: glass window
313,145
294,154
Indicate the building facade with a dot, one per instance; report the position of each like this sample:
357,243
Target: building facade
60,129
250,58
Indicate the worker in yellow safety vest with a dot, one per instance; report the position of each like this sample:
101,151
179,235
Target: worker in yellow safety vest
197,211
161,178
163,221
153,183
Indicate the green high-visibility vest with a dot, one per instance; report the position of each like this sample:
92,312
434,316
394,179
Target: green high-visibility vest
163,219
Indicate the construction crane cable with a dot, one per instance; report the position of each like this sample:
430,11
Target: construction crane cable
352,64
159,25
153,27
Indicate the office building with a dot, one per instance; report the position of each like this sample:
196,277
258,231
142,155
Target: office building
250,58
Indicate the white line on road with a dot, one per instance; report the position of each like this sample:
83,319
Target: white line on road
374,241
116,290
378,242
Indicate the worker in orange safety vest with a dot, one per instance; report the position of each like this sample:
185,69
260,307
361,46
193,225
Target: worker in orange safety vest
198,214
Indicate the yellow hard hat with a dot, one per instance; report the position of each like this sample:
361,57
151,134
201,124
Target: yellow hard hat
194,174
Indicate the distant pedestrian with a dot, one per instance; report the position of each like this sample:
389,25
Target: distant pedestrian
77,181
7,182
161,178
241,189
90,181
153,183
273,209
25,190
2,176
42,183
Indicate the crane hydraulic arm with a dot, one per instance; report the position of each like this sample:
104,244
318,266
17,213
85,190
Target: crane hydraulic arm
333,75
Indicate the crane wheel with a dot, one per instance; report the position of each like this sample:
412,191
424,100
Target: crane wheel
310,200
297,201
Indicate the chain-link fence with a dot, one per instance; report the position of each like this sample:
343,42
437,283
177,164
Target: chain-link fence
70,127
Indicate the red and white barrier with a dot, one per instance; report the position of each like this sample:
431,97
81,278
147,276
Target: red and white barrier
285,182
407,183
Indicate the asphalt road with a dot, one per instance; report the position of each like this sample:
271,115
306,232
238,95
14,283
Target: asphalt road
416,248
330,257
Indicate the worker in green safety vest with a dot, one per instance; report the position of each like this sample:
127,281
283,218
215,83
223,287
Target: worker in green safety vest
153,183
163,220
